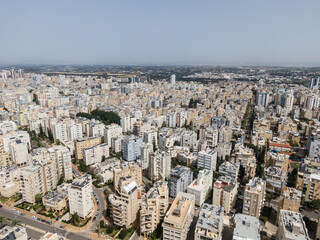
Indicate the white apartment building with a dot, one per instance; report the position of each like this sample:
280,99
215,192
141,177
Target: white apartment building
246,227
210,223
179,217
230,169
66,130
207,159
94,154
112,131
80,196
63,161
15,136
116,144
201,187
189,139
292,226
19,153
151,137
124,203
160,165
146,151
13,233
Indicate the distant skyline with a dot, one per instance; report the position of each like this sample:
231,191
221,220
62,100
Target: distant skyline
167,32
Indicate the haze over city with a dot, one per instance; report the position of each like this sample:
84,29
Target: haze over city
160,32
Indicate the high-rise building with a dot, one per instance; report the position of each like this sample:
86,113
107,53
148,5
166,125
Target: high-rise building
292,226
4,157
146,151
112,131
32,182
160,165
19,153
179,180
225,190
154,208
124,203
289,200
80,196
93,155
173,79
131,148
254,197
67,130
201,186
179,217
314,83
83,143
246,227
262,99
129,170
210,223
207,159
63,161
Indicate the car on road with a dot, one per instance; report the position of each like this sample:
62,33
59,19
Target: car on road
34,217
48,222
62,226
1,206
42,220
22,214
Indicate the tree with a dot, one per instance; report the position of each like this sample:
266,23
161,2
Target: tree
75,219
61,179
50,135
101,224
292,178
103,158
41,134
110,228
2,219
58,142
38,198
15,222
122,234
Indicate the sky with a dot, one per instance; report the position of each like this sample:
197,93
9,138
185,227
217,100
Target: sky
142,32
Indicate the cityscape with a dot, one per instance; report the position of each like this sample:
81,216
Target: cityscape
138,131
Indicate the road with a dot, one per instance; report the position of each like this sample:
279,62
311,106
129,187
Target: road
37,228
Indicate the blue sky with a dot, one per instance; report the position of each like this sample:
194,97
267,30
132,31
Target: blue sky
227,32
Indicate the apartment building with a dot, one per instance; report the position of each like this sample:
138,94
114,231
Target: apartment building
246,227
179,180
254,197
131,148
225,191
160,165
201,186
4,157
127,170
14,233
19,153
124,203
292,226
66,130
210,223
207,159
275,178
308,181
154,208
21,136
146,150
230,169
189,139
83,143
80,196
289,200
32,182
63,161
93,155
112,131
179,217
151,137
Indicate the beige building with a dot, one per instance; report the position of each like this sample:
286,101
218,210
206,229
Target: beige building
254,197
309,183
83,143
127,170
153,208
124,203
224,194
32,182
159,166
80,196
289,200
17,233
55,200
179,217
4,157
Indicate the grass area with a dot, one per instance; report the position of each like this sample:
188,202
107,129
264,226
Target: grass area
14,198
295,165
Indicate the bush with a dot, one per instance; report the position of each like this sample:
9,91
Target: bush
101,224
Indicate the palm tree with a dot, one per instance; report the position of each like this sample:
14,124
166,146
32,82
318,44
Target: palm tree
15,222
2,219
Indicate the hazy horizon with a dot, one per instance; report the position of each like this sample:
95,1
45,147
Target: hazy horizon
228,33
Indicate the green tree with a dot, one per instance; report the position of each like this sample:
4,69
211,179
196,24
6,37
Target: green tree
2,219
41,134
110,228
101,224
50,135
292,178
15,222
103,158
38,198
122,234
